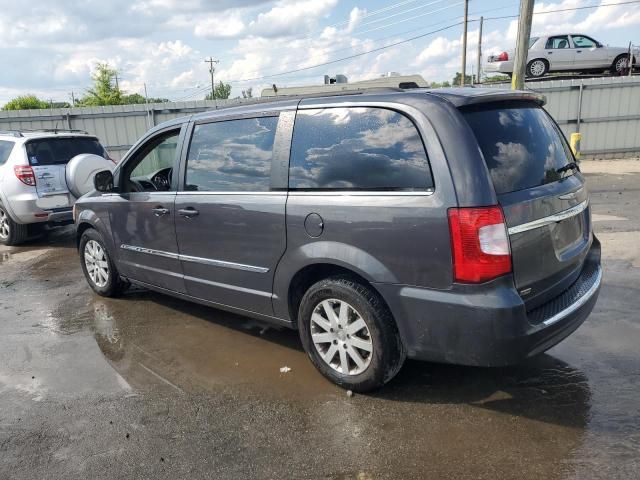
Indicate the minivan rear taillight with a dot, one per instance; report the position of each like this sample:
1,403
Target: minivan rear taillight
479,244
24,173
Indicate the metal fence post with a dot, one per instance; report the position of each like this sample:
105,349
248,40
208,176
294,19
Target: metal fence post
579,117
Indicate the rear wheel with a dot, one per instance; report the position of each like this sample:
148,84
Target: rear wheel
11,233
349,334
537,68
98,268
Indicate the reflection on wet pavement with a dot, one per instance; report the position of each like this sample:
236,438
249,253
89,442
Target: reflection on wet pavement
149,386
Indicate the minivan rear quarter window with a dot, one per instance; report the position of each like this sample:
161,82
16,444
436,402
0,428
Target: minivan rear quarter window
357,149
521,145
58,151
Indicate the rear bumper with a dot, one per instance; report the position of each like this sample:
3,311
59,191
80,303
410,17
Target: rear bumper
488,325
27,208
499,67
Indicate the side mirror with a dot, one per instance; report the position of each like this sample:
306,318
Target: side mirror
103,181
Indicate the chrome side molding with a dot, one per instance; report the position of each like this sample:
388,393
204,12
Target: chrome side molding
556,217
189,258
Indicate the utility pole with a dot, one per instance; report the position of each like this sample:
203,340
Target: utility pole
117,85
479,65
464,43
146,101
212,69
73,99
522,44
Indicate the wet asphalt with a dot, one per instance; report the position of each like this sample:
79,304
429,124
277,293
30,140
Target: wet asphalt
147,386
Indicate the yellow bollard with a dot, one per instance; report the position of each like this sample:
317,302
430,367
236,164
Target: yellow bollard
575,144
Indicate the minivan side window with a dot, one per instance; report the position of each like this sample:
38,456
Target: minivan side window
231,155
151,168
357,148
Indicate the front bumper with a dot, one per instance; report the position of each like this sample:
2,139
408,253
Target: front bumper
488,325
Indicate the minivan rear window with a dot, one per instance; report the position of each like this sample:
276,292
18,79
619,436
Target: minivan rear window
5,150
521,145
58,151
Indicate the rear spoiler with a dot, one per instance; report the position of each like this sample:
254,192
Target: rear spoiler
461,97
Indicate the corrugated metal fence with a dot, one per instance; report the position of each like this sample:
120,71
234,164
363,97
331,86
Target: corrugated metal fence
117,126
605,110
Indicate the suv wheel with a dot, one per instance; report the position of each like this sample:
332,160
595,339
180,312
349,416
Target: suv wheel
98,268
349,334
11,233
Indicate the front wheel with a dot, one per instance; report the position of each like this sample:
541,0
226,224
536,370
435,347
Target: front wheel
98,267
349,334
620,65
537,68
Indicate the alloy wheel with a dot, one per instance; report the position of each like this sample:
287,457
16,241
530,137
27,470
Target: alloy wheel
4,225
341,337
537,68
621,64
96,262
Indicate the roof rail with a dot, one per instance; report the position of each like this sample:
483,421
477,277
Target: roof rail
54,130
13,133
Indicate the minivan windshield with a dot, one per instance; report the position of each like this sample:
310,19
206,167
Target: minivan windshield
58,151
521,145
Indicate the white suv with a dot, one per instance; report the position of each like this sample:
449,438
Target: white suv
33,187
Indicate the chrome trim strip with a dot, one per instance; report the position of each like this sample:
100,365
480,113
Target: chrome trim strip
574,306
226,286
189,258
150,251
282,192
222,263
556,217
359,193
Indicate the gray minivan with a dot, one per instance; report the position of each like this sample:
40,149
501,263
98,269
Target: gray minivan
448,225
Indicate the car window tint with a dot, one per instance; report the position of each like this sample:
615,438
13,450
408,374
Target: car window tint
160,157
558,42
5,150
583,42
357,149
521,145
58,151
233,155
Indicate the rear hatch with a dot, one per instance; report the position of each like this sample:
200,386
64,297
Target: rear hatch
48,158
545,202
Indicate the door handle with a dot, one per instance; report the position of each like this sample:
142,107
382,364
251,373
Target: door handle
188,212
160,211
549,53
578,51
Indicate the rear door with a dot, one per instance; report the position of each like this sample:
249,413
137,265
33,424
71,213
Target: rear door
230,219
546,208
559,53
48,158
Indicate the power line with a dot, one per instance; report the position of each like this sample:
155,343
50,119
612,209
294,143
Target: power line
568,9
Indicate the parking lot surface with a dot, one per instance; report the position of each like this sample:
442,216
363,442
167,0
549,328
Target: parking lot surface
147,386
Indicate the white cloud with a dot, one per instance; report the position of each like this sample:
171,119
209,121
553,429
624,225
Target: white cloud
219,26
291,16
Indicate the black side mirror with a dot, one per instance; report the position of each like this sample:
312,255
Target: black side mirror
103,181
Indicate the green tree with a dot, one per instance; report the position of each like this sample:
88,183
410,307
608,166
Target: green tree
136,98
444,84
104,91
248,93
468,80
496,78
25,102
222,91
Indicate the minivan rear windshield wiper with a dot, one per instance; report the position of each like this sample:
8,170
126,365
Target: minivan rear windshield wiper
568,166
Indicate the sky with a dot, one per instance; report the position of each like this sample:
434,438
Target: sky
49,47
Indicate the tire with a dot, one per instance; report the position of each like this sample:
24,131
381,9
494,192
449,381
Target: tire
98,267
350,302
537,68
620,64
11,233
